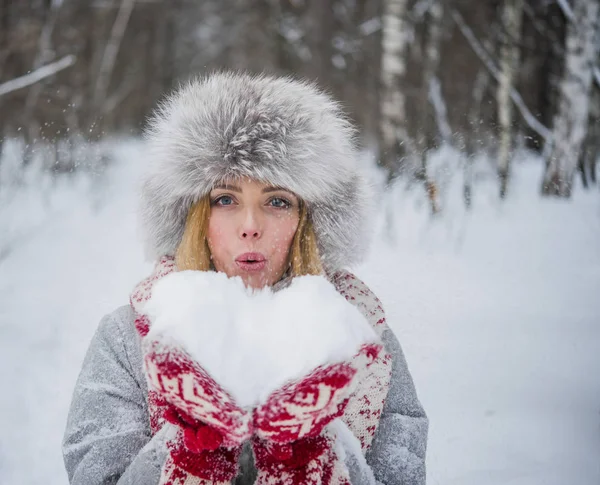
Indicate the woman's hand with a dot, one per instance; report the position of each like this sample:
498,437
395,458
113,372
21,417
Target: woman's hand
291,440
303,407
211,426
188,387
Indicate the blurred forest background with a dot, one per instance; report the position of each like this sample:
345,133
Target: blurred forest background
487,76
483,117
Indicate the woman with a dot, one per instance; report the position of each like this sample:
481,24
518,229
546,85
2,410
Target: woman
256,178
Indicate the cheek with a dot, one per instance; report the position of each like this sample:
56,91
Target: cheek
217,237
283,234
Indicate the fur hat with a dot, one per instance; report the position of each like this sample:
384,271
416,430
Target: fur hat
277,130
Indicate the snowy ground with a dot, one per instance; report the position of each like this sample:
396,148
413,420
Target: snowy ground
498,311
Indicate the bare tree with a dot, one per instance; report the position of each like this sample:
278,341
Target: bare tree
428,137
393,127
512,14
369,82
570,122
110,52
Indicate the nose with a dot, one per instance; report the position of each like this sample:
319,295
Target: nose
251,227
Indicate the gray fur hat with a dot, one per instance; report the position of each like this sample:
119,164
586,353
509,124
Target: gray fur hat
277,130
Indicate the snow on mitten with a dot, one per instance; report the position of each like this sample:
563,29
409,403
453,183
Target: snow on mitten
211,426
292,444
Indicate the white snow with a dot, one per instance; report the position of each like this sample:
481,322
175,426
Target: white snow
347,441
253,342
497,311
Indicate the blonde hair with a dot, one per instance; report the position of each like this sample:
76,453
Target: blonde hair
193,251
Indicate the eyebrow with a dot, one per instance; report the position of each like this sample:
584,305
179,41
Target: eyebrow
235,188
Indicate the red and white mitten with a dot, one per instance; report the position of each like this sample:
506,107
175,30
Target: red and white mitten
211,427
206,425
292,444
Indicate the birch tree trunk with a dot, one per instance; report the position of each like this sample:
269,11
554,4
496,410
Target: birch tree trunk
512,15
428,138
570,123
392,126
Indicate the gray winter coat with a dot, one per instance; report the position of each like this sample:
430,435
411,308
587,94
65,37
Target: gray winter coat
108,439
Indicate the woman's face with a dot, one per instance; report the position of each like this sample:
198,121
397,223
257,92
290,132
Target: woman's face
251,229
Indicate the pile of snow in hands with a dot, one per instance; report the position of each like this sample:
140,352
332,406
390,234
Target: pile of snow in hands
253,341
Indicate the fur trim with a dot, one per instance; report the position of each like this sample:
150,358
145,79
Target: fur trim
277,130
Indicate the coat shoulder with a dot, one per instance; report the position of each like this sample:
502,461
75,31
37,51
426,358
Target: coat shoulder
118,326
121,322
123,317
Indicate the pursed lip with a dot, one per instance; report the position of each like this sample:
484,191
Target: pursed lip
255,257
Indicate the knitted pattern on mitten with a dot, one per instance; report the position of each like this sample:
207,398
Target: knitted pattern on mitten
293,447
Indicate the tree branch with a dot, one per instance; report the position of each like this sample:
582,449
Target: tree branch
439,105
37,75
566,9
112,49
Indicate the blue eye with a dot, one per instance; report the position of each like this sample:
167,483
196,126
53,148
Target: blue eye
284,204
223,197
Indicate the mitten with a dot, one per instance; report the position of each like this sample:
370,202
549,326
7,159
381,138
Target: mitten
175,311
292,444
211,427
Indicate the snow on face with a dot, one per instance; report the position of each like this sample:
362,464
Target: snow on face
249,216
253,341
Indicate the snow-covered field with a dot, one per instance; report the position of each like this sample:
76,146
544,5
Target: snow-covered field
497,309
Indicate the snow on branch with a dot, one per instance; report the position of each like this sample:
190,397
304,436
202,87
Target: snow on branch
37,75
566,9
437,100
533,123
